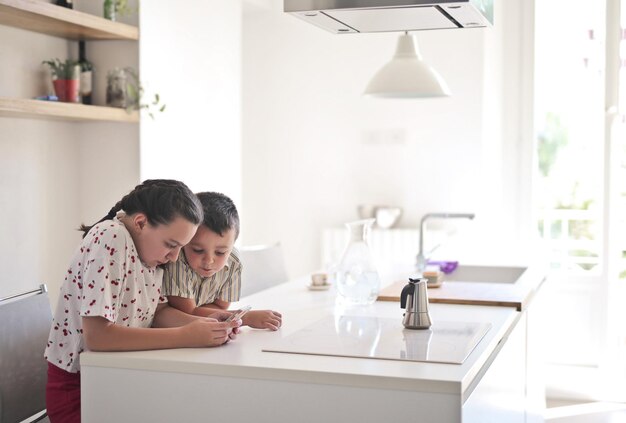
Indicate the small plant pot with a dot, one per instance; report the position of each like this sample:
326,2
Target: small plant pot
110,10
67,90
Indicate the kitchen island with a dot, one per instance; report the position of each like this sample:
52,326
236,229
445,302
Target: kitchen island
241,382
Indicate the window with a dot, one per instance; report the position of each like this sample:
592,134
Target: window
580,188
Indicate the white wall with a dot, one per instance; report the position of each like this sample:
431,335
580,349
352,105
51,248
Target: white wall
55,175
37,181
314,148
191,56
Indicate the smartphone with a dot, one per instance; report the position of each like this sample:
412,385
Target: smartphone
238,315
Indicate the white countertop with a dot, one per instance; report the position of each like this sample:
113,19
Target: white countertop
300,308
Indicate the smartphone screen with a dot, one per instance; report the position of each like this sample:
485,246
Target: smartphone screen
239,314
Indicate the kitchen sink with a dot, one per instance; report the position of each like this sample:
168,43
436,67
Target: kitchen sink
491,274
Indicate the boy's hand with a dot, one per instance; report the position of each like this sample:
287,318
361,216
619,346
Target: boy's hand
263,319
220,315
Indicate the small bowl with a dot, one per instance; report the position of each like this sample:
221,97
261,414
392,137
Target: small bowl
387,217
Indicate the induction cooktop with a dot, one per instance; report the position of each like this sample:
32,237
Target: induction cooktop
383,338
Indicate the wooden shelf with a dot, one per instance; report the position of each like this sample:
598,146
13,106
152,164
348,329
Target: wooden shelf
50,19
21,108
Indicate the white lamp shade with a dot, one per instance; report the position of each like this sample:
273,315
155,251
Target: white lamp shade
407,75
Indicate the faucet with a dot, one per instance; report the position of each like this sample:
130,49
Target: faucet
421,258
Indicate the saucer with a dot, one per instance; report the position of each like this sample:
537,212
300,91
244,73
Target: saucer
318,287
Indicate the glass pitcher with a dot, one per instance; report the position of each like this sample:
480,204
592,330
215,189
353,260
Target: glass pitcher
357,279
117,88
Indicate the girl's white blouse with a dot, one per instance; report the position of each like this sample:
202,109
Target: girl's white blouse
106,278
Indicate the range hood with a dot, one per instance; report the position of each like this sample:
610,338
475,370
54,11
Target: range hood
354,16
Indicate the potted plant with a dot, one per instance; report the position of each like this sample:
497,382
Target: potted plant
65,78
124,90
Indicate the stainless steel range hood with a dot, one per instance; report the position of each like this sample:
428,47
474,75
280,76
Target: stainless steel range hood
354,16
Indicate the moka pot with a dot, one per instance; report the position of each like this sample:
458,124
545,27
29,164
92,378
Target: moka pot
414,299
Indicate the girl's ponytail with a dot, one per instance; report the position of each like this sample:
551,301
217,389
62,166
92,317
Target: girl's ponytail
117,207
161,200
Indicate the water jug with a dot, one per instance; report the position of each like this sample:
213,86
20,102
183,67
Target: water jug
357,279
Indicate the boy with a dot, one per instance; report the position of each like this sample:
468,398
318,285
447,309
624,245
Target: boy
207,274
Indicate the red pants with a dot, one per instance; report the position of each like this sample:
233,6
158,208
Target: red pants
63,395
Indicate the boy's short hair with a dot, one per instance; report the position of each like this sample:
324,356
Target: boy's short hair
220,213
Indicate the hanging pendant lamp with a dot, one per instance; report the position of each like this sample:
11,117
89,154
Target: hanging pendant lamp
407,75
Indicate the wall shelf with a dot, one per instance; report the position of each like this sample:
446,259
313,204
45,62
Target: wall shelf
50,19
22,108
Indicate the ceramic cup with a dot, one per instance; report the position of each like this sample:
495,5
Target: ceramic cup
319,279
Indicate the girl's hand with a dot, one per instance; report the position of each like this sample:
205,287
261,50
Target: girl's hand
210,333
263,319
234,333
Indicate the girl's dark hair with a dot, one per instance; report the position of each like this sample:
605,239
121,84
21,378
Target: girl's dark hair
220,213
161,200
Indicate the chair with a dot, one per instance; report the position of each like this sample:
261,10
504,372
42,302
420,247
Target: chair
25,323
263,267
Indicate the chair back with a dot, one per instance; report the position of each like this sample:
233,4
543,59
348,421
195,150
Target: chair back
263,267
25,321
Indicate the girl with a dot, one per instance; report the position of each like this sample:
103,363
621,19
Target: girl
111,294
